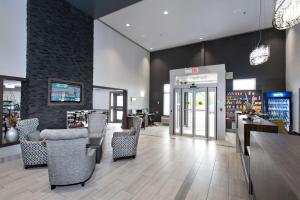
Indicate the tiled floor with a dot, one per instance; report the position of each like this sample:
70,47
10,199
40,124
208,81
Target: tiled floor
165,168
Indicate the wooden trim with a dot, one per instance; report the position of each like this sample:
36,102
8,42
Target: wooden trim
2,78
1,106
107,88
125,110
114,107
65,103
12,78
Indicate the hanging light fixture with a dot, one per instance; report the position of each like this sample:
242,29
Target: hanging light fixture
261,53
287,14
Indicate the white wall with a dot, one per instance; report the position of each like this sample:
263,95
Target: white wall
13,38
293,69
119,63
100,99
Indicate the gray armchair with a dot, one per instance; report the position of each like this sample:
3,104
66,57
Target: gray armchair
69,161
125,143
97,123
33,151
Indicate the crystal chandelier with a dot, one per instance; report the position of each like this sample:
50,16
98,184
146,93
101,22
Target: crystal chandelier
287,14
260,55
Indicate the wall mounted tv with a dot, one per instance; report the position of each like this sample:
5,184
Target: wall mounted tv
65,92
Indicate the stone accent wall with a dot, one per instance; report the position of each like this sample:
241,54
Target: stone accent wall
60,46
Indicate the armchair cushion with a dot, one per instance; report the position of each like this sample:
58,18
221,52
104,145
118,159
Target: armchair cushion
34,136
64,134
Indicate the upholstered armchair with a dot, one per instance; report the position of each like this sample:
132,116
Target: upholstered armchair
33,151
69,160
97,124
125,143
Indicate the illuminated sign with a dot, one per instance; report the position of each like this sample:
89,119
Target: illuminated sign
193,70
279,94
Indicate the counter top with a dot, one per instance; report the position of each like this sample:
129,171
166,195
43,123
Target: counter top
246,125
284,153
260,121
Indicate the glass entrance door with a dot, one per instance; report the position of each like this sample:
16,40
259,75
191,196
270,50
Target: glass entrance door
177,111
212,116
195,112
187,111
200,112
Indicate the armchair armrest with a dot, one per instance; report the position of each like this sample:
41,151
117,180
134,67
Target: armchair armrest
90,157
90,152
33,143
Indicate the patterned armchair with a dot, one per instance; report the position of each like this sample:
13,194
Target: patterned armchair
33,152
125,143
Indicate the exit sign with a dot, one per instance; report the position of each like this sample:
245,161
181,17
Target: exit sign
193,70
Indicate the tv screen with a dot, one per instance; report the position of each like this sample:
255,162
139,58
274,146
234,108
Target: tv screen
65,92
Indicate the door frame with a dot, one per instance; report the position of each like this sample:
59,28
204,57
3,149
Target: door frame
200,89
125,103
213,89
183,90
2,78
115,107
207,110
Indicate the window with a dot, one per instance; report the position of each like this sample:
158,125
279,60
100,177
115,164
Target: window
244,84
166,99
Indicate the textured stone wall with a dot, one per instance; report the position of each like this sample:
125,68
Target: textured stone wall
60,46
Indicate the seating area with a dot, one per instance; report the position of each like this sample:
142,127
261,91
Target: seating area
71,154
149,99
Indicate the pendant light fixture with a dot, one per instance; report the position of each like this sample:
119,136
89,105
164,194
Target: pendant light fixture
287,14
261,53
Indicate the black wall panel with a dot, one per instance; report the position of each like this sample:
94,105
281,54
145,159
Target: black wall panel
60,46
232,51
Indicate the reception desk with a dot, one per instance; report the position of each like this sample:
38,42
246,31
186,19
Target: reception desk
245,126
274,166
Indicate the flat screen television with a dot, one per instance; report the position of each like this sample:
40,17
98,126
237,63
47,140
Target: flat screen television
63,92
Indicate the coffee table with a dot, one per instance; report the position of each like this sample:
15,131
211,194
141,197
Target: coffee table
96,143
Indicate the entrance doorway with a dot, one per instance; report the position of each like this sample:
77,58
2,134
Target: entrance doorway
116,107
195,112
112,101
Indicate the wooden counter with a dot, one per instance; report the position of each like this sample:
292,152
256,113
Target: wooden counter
245,125
274,166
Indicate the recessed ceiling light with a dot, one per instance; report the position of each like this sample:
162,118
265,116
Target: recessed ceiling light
151,48
201,38
127,25
166,12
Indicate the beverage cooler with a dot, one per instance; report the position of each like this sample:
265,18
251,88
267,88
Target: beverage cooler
278,107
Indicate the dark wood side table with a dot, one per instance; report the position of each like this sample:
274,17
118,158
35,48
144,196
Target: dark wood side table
96,143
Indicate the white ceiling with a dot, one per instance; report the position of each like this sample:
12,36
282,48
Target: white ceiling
188,20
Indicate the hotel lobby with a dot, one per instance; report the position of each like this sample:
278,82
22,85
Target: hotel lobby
149,99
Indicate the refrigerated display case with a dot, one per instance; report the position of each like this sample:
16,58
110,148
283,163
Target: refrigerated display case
278,106
236,102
